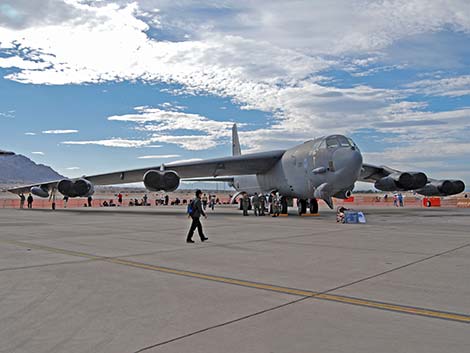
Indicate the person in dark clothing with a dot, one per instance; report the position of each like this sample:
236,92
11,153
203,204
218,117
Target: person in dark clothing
89,201
245,204
22,200
271,202
204,202
195,214
256,204
30,201
167,200
262,202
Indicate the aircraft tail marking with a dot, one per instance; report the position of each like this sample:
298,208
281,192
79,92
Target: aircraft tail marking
236,150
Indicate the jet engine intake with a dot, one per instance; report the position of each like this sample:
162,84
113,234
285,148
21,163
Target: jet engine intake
402,181
77,188
442,188
155,180
343,194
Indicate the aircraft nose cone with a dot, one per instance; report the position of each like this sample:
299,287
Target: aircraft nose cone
347,163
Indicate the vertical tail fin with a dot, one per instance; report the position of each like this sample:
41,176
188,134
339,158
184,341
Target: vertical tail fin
236,150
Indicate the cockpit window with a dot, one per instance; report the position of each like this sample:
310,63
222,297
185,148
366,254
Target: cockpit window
332,142
316,144
336,141
353,144
343,141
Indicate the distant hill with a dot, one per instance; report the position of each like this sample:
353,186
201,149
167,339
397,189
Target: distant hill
18,169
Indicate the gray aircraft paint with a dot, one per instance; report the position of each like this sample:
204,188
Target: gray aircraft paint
305,168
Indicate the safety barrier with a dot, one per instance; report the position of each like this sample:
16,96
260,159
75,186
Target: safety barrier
463,203
357,200
81,202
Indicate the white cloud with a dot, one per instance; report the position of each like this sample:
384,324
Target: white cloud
20,63
38,153
114,142
162,156
451,86
73,168
336,26
171,106
439,159
425,152
244,55
166,126
30,133
9,114
189,142
59,132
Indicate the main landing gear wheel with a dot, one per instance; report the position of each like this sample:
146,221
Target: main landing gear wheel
313,205
302,206
284,206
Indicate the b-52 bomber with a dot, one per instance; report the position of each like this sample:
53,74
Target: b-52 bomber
323,168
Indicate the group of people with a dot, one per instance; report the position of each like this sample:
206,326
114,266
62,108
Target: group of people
29,200
163,200
136,202
210,201
262,204
108,204
398,199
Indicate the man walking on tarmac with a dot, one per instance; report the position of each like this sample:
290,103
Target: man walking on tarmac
195,211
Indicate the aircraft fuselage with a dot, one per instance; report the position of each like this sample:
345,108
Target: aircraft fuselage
320,168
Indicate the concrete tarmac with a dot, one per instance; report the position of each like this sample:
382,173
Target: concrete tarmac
124,280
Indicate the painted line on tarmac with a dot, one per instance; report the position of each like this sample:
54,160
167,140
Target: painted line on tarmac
436,314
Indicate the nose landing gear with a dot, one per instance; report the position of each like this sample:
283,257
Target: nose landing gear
301,206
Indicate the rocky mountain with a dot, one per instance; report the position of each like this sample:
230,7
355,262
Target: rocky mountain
18,169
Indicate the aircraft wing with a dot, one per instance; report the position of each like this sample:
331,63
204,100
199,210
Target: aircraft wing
389,179
226,166
371,173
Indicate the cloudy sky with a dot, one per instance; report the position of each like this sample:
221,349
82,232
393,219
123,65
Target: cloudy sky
95,86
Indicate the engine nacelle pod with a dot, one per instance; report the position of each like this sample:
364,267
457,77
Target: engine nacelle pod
155,180
77,188
402,181
39,191
443,188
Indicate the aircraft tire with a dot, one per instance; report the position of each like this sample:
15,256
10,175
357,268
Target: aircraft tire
301,206
284,206
313,205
